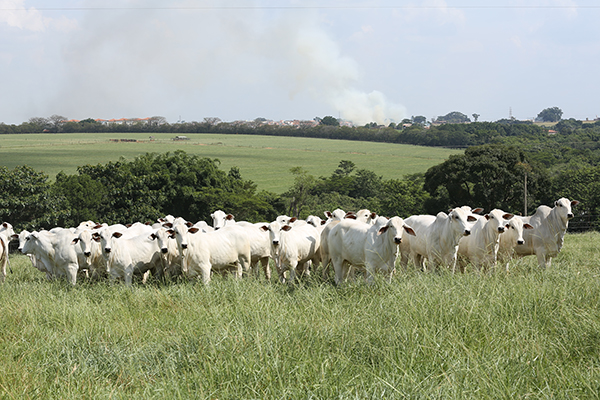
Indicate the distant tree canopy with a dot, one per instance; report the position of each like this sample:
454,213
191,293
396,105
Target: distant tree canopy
454,117
552,114
330,121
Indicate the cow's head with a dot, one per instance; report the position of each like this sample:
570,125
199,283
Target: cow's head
563,207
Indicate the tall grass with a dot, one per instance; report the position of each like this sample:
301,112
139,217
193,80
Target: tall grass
523,334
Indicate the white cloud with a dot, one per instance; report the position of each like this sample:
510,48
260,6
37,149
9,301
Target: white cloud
14,13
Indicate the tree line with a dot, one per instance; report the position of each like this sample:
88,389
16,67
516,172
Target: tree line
154,185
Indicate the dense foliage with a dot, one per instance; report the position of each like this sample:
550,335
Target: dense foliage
149,187
500,157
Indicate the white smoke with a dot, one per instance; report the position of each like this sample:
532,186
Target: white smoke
131,59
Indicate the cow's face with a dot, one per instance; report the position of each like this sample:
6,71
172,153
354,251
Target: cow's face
219,217
514,228
162,237
461,221
563,207
496,220
29,243
182,234
85,242
396,228
22,239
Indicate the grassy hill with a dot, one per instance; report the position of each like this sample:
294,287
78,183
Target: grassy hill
265,160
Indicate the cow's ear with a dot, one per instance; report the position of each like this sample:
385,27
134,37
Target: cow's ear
286,228
153,236
477,210
350,216
189,224
15,236
193,230
471,218
229,217
527,226
574,203
382,230
149,223
328,214
264,228
409,230
292,220
373,215
168,225
75,241
508,216
323,222
117,234
486,216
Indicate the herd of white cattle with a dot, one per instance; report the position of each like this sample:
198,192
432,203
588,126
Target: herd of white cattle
349,241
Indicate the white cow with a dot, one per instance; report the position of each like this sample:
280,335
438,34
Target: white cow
35,262
512,236
549,226
333,218
130,255
169,252
6,235
220,218
55,251
436,238
361,244
293,247
260,247
480,248
363,215
227,248
95,260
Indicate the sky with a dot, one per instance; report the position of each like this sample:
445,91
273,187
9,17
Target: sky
362,61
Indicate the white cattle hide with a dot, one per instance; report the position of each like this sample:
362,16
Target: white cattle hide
480,248
361,244
227,248
436,238
546,238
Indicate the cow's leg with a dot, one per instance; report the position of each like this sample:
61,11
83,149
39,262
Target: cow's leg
541,257
205,269
72,273
338,270
128,275
266,267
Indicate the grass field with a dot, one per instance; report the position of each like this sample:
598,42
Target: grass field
265,160
524,334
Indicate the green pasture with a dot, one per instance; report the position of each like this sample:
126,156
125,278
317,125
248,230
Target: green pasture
265,160
527,333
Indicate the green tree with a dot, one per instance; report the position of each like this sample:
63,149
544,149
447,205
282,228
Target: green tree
419,119
490,176
26,199
403,197
330,121
454,117
299,193
552,114
81,198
